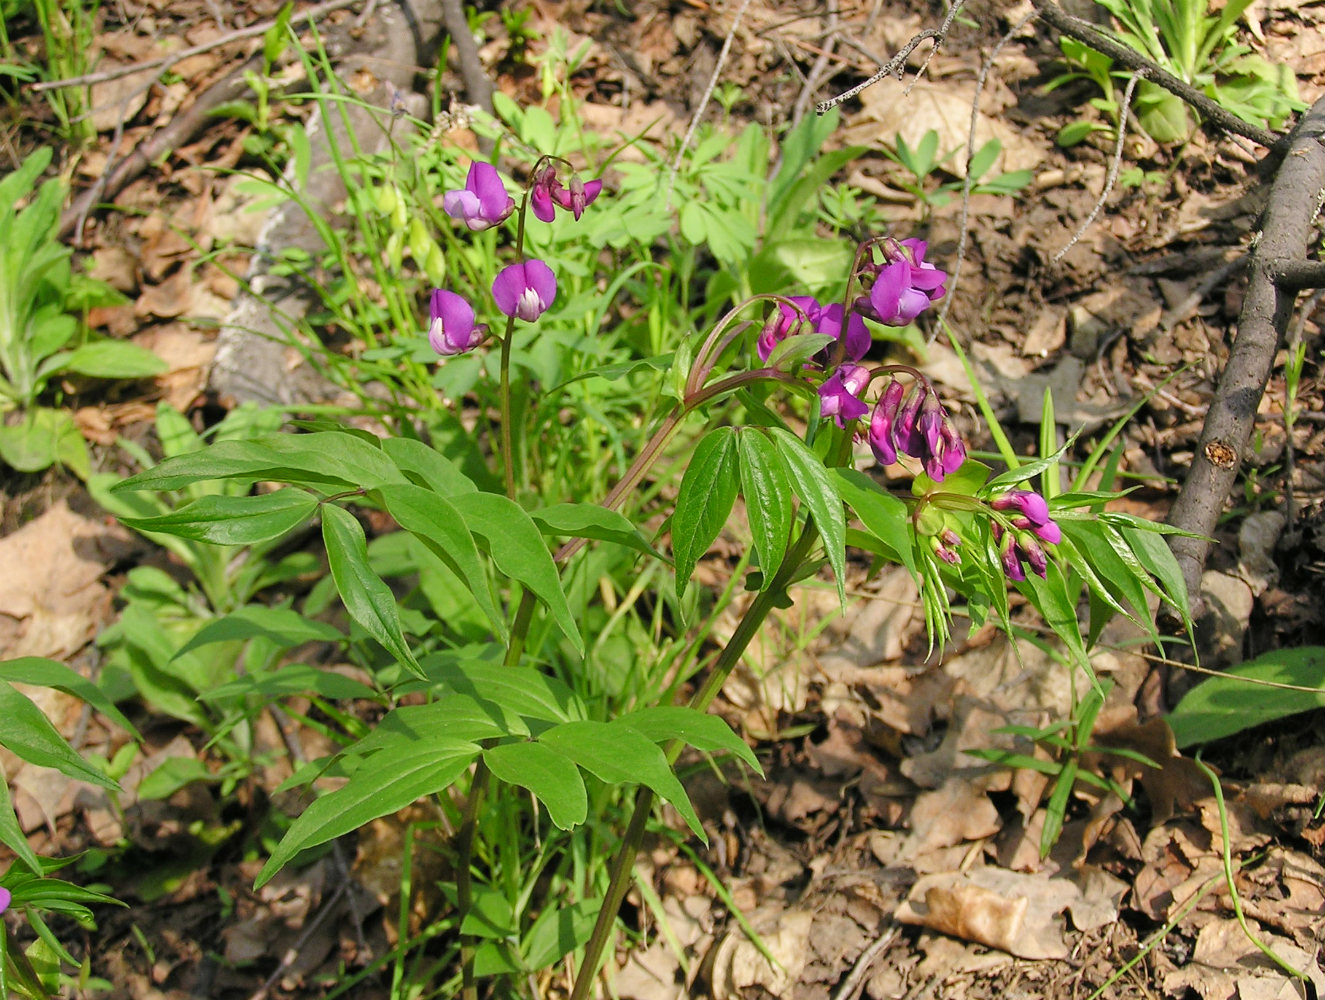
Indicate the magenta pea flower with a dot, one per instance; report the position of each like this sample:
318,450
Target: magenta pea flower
483,202
578,196
525,290
904,286
916,424
786,321
541,198
1018,549
839,396
451,329
807,311
1031,514
6,897
945,546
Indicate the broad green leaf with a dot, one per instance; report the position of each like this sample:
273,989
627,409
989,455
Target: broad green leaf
545,772
620,755
324,459
1050,597
386,783
452,717
171,775
557,932
587,520
421,462
26,732
284,627
766,485
368,600
882,514
49,673
43,437
525,691
1156,556
113,359
701,730
704,501
1228,704
293,679
435,521
517,547
226,520
816,489
11,834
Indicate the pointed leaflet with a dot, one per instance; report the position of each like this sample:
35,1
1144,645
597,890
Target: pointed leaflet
620,755
704,502
517,547
438,525
385,783
527,692
284,627
1234,701
368,600
436,471
882,514
815,488
26,732
325,458
551,776
588,520
702,731
766,485
52,674
233,520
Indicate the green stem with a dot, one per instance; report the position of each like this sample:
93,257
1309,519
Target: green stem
623,863
507,449
464,880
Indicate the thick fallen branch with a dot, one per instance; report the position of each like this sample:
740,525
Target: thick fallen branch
1294,201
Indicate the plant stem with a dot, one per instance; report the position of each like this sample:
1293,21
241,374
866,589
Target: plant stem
507,449
464,881
623,863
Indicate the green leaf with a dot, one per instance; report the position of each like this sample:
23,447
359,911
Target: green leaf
42,438
384,784
701,730
48,673
524,691
226,520
882,514
26,732
792,353
368,600
517,547
330,459
113,359
455,717
1051,598
557,932
436,523
283,627
704,501
1228,704
171,775
551,776
1156,556
817,491
766,486
619,755
12,835
428,466
587,520
290,680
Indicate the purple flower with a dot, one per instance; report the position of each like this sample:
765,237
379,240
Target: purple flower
945,546
6,897
452,330
904,286
1021,547
917,425
839,396
547,192
882,435
578,196
788,321
483,202
1031,514
525,290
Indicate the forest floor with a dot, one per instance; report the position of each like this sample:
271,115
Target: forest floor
874,841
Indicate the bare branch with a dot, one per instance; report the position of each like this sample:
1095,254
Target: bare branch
1295,275
1266,310
1087,33
895,64
1114,161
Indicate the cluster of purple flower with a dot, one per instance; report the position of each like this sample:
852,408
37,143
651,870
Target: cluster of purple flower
523,290
1020,544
